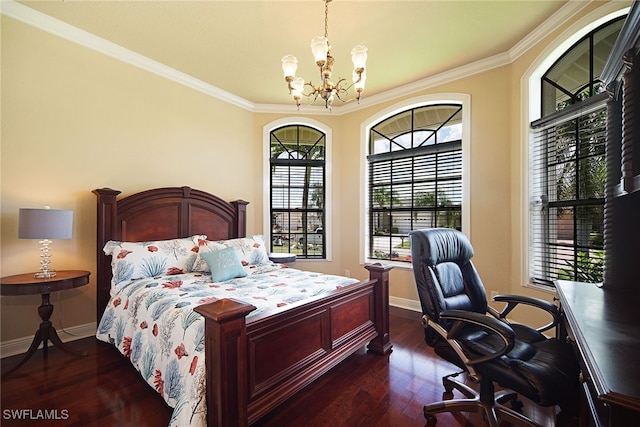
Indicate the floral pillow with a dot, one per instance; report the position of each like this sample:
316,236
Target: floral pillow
251,251
137,260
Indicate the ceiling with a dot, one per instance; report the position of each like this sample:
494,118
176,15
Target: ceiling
236,46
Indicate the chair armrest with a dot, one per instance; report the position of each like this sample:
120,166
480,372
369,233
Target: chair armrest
513,300
489,324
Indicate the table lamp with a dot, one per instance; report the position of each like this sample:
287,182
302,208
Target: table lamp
45,224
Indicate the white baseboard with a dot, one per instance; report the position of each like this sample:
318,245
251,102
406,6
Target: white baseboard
21,345
407,304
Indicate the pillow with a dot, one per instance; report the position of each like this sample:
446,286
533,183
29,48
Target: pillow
252,251
224,264
137,260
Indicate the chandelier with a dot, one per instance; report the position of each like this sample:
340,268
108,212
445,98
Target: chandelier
327,90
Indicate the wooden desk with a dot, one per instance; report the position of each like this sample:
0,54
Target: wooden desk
27,284
604,325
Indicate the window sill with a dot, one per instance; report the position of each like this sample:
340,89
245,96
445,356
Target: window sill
395,264
541,288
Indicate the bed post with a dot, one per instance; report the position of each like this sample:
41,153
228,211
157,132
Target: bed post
107,216
226,350
380,344
241,218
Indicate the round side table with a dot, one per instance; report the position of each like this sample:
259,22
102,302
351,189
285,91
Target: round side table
282,257
27,284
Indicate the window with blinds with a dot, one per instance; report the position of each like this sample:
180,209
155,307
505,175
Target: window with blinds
567,170
567,182
297,195
414,177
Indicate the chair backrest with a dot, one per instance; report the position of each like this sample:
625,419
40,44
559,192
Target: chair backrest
445,276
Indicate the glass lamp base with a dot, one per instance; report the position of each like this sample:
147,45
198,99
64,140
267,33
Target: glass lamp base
45,274
46,271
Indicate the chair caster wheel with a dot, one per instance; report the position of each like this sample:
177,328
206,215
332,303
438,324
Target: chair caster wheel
431,419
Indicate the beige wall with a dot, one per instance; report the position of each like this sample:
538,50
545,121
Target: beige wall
74,120
490,185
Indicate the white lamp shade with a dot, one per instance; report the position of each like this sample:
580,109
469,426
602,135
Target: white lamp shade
320,48
359,85
289,65
45,224
298,85
359,56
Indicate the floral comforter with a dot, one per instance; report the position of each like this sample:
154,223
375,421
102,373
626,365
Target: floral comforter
151,321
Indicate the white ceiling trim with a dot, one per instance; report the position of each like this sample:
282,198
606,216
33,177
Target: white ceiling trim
408,89
68,32
61,29
552,23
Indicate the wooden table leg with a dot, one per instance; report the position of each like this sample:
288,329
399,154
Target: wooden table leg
49,332
44,334
37,339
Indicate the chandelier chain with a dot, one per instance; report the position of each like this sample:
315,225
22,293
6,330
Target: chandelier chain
326,18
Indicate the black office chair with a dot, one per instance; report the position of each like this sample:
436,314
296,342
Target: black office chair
463,329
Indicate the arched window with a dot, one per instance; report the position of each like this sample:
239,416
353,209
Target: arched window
567,164
297,197
415,176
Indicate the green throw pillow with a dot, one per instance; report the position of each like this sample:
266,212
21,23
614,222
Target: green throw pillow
224,264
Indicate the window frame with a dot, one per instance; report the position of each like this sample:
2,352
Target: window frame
266,157
550,246
532,110
464,100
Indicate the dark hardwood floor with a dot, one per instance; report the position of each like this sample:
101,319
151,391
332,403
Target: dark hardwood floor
102,389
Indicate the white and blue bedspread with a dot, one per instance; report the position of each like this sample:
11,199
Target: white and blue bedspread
151,321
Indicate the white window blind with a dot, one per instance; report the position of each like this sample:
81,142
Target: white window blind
567,178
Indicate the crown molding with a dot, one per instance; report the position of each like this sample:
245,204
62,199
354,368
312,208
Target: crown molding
53,26
393,94
555,21
571,8
61,29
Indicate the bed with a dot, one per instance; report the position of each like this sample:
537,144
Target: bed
254,359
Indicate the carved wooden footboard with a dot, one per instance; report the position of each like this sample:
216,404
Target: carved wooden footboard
252,365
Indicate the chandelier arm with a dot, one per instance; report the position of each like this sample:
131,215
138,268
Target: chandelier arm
289,86
345,90
314,90
340,89
337,95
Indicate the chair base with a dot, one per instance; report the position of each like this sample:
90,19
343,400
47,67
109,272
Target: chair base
492,411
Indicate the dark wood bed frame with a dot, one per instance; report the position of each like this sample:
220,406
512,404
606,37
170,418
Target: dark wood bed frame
252,365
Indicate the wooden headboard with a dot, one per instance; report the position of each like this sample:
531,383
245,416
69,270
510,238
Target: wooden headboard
161,214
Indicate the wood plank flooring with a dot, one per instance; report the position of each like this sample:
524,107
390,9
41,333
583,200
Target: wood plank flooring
102,389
